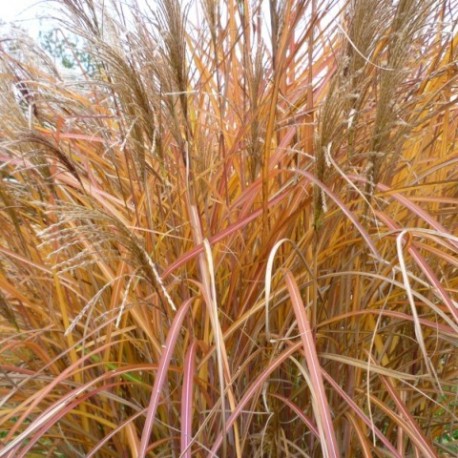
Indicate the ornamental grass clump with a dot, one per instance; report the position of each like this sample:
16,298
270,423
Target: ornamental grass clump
237,236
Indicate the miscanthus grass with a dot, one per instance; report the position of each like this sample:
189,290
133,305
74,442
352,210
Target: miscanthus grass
237,237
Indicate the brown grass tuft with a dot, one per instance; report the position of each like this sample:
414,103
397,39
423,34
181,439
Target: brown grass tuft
237,238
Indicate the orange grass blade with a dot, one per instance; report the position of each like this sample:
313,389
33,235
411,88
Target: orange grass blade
250,392
321,407
306,420
417,435
186,400
159,381
352,404
344,208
